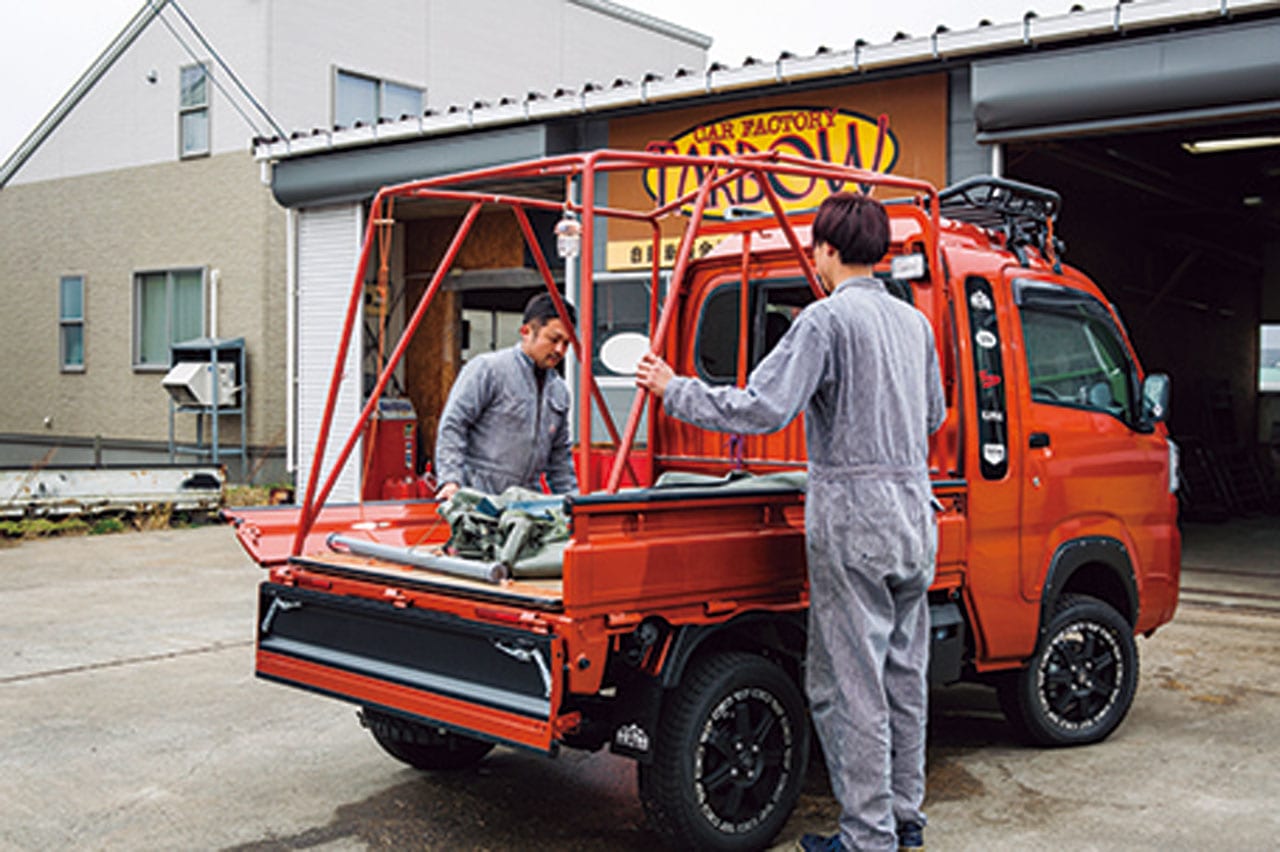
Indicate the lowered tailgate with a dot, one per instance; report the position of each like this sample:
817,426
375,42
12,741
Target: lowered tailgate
489,680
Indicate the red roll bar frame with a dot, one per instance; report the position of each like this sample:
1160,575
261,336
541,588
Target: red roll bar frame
712,173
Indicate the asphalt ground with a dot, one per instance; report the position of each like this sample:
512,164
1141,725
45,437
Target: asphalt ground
130,719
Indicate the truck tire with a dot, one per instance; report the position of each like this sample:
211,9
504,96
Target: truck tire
1080,683
423,746
729,757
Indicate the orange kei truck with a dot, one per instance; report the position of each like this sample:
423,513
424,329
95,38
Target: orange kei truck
673,630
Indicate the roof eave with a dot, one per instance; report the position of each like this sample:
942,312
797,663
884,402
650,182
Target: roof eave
944,45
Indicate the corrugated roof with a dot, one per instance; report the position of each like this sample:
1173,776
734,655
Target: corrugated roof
943,45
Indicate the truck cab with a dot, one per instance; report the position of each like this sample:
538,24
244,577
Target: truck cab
673,631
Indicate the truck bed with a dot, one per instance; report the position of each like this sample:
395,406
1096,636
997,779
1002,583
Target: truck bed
543,593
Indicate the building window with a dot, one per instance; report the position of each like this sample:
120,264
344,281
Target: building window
168,308
1269,358
193,112
71,323
365,99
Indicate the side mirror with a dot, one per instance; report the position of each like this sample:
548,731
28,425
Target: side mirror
1155,398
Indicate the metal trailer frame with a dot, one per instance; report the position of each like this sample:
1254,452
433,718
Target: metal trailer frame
63,490
709,173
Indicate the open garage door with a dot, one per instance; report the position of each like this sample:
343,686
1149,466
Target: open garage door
1182,233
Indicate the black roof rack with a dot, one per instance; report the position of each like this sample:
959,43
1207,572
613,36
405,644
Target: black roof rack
1022,212
992,202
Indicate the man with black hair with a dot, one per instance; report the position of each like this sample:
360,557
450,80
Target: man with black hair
506,421
862,366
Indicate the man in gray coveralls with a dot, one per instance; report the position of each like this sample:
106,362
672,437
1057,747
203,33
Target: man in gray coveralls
507,418
863,367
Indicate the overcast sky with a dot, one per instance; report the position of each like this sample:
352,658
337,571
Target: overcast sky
46,45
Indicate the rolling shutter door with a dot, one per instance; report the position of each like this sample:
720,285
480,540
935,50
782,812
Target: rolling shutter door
1204,76
328,250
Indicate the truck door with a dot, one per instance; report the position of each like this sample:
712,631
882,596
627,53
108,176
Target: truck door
1004,629
1089,473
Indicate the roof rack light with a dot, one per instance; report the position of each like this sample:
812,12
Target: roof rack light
1240,143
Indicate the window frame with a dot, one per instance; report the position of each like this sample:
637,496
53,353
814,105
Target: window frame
185,110
64,323
380,86
136,343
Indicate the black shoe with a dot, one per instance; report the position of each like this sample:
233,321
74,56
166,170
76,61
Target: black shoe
819,843
910,837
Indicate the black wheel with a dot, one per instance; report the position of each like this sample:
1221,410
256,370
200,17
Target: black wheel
422,746
730,755
1080,683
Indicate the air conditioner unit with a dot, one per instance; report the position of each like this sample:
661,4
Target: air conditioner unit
191,383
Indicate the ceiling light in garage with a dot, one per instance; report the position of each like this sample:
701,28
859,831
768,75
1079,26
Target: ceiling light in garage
1240,143
1252,201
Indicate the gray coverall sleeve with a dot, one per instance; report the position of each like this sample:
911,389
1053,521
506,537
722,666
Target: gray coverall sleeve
560,475
936,399
468,397
776,390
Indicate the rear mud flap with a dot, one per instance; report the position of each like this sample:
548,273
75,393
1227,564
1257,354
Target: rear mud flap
492,681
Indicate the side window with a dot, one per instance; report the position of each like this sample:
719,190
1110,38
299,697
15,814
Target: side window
716,348
168,308
193,111
71,323
355,98
366,99
773,307
783,301
1075,356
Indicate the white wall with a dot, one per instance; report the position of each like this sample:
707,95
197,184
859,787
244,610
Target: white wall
309,39
286,52
126,121
544,44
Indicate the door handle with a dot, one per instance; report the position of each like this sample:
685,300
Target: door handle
1038,440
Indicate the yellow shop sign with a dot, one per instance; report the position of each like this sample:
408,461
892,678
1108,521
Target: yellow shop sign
819,133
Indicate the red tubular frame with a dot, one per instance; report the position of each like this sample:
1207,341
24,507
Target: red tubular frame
311,507
585,168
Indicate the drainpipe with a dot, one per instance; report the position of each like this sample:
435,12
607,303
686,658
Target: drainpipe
215,279
290,340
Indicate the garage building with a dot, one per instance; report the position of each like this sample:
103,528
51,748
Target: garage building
1158,122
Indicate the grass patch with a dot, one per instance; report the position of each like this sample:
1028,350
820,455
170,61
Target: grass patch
256,495
29,528
159,517
245,495
152,518
106,525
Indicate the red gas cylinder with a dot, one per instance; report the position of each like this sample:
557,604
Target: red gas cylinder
396,488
